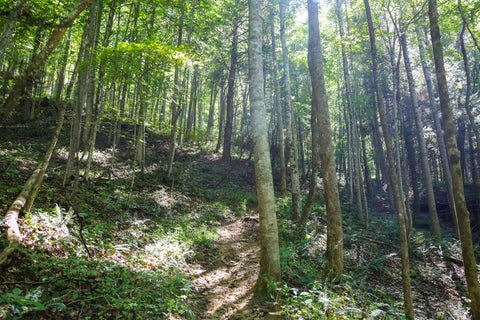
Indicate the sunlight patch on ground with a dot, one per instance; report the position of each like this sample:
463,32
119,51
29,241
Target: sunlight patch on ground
229,271
167,252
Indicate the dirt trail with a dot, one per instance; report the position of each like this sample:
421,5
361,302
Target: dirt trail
226,272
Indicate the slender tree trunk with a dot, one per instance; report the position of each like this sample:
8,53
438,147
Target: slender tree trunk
227,139
437,124
408,134
192,107
291,139
473,125
72,165
279,110
351,123
312,191
211,111
61,107
320,102
269,249
463,216
98,104
175,106
427,175
395,180
221,120
96,8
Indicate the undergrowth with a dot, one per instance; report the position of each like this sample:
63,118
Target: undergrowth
370,287
109,251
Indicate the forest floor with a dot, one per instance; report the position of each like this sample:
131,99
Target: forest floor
129,245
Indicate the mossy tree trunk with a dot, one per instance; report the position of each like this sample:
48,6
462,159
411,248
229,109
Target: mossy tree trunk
463,216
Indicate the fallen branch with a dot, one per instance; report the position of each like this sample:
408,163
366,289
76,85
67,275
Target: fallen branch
11,218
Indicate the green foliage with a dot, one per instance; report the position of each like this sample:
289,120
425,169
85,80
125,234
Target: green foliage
68,285
22,304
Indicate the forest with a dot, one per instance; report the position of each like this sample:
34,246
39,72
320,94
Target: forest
239,159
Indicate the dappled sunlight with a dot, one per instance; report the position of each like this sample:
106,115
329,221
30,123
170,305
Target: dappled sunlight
229,271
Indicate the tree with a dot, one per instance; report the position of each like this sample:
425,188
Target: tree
269,250
227,139
392,169
278,108
25,81
291,138
463,216
427,176
437,124
320,103
352,124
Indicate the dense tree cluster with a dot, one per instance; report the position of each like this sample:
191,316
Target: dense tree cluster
364,97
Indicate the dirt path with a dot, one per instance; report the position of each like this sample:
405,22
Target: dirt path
226,273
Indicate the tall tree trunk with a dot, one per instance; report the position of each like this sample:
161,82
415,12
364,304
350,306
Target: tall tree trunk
192,107
351,123
227,138
98,104
96,8
269,249
438,126
61,107
278,109
408,134
312,190
427,175
221,120
394,178
320,102
72,166
25,81
291,139
211,110
473,125
175,106
463,216
396,127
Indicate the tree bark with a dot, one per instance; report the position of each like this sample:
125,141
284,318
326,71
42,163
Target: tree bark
427,175
471,119
279,111
320,102
227,138
291,139
221,119
175,106
269,248
463,216
438,126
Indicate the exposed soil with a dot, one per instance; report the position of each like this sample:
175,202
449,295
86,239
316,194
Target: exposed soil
226,272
